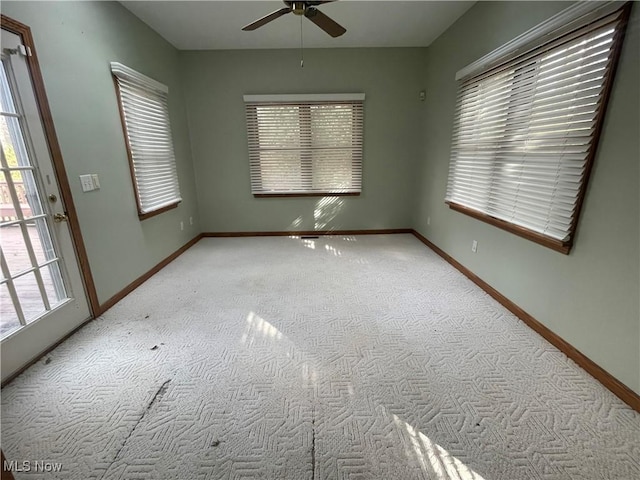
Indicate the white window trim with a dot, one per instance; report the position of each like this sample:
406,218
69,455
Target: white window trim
122,71
577,15
310,97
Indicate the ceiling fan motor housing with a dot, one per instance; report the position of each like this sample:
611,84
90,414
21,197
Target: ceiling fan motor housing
298,8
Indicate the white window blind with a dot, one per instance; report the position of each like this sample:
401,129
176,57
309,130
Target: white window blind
525,131
145,113
305,145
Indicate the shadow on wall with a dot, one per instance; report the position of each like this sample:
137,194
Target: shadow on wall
325,212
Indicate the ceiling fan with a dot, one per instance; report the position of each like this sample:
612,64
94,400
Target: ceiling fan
306,8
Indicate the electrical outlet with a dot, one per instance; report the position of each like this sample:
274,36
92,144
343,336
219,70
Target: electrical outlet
474,246
190,220
428,220
181,225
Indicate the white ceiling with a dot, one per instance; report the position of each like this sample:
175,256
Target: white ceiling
216,25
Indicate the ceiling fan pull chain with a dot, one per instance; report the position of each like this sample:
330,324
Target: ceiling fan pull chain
301,46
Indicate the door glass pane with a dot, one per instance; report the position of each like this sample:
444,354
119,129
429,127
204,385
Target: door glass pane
53,283
7,210
6,101
8,318
14,249
40,240
13,141
31,195
29,296
27,237
27,192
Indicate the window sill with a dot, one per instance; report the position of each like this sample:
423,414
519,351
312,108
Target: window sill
552,243
144,216
314,194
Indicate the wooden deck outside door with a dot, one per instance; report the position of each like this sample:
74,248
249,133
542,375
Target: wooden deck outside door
42,289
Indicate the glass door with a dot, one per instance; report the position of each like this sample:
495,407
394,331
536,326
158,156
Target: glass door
31,282
42,295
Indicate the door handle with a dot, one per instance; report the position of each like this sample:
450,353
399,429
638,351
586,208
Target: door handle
60,217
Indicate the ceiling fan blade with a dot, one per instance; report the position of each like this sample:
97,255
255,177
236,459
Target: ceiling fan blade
266,19
309,3
325,23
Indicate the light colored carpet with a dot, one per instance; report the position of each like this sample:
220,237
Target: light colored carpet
352,358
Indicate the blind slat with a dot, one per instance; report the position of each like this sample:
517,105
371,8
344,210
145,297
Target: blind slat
523,131
144,106
305,147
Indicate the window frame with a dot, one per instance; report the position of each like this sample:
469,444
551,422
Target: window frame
565,23
151,87
304,103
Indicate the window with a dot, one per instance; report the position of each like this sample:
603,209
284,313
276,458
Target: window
527,122
145,119
305,145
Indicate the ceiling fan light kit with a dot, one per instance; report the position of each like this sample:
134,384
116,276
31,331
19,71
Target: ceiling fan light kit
298,8
304,8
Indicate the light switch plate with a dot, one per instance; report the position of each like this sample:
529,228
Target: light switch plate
87,183
96,181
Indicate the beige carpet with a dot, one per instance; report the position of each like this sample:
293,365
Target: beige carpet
352,358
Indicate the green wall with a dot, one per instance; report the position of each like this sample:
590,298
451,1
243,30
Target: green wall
75,42
215,82
590,297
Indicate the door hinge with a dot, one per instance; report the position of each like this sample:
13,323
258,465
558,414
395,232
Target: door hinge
23,50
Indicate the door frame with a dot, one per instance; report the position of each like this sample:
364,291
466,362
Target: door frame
24,32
